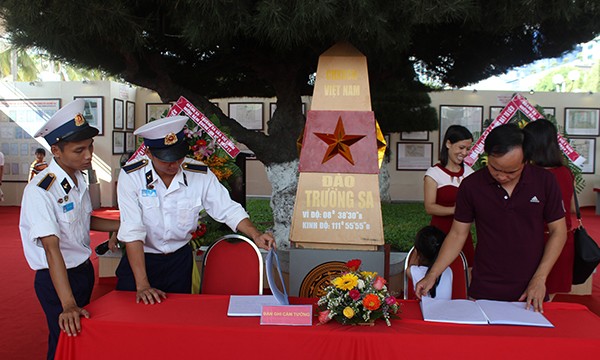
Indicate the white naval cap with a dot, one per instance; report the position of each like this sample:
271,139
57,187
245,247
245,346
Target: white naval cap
67,124
165,138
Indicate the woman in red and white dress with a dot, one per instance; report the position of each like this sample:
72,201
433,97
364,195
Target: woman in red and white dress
443,179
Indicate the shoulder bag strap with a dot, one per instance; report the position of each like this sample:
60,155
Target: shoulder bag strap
577,206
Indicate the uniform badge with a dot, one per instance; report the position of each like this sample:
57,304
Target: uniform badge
170,139
66,198
79,120
65,185
60,201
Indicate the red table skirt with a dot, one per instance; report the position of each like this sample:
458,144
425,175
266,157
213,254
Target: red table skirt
197,326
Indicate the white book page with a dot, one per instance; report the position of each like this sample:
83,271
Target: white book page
281,296
249,305
512,313
452,311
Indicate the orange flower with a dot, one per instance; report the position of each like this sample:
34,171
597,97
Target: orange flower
371,302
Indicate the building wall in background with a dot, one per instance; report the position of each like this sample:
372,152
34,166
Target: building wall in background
404,185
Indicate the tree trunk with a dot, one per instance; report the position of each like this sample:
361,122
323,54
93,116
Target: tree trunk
284,181
384,181
276,150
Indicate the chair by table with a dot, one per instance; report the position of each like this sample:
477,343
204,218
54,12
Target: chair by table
232,265
460,277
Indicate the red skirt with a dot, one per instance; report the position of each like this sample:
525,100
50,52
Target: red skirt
561,275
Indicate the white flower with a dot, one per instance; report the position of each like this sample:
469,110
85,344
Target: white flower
361,284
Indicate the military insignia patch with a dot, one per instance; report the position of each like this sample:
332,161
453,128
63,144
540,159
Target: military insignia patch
79,120
170,139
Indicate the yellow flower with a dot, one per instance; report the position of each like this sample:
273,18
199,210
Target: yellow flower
348,312
346,282
368,274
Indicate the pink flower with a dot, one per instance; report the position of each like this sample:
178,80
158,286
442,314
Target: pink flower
379,283
354,294
324,316
390,300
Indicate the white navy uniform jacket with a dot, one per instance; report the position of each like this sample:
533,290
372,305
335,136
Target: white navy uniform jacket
162,218
53,205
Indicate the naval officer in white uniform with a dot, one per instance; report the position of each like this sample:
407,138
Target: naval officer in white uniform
55,223
160,197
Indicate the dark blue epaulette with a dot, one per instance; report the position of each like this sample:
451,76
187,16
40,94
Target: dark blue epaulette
135,166
47,181
195,168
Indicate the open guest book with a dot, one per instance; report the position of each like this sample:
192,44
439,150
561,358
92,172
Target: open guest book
251,305
481,312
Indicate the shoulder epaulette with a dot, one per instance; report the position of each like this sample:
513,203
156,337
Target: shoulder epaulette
135,166
195,167
47,181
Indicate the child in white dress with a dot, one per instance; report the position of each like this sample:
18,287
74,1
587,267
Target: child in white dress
427,246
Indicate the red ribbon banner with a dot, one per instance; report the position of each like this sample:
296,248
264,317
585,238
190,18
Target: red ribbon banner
184,106
519,103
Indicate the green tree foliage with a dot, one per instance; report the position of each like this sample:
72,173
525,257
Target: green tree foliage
27,70
547,82
217,48
592,82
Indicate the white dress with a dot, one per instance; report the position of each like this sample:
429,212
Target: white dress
444,288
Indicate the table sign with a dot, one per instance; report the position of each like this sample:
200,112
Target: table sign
287,315
283,313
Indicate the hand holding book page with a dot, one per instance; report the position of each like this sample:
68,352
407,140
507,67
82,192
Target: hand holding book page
281,296
481,312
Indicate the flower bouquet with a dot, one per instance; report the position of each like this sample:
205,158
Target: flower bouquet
205,149
197,239
357,297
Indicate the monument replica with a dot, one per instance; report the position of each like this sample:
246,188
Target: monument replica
337,214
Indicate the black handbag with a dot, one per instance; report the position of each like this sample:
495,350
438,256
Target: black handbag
587,252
